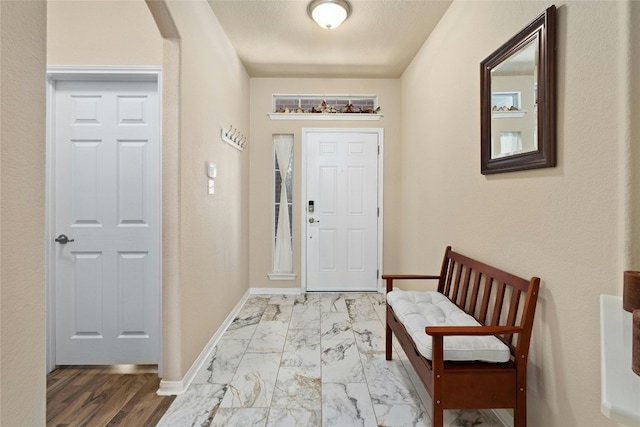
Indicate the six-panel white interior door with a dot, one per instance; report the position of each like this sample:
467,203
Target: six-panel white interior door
107,205
341,229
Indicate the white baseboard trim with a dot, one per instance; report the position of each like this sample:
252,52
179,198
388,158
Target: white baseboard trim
276,291
170,388
505,416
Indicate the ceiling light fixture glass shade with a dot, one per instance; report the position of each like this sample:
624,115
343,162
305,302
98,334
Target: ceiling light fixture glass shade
329,13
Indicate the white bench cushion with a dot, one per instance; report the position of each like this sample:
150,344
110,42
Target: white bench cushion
416,310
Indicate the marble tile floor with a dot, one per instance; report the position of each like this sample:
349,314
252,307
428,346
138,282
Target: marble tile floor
315,359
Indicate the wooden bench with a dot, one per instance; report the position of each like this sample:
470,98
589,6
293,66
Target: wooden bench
494,298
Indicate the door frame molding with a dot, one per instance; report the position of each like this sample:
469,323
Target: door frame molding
303,205
85,73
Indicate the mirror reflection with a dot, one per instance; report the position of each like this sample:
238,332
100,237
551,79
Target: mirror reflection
514,108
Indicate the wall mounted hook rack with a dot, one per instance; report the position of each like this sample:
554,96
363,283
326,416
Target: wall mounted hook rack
234,138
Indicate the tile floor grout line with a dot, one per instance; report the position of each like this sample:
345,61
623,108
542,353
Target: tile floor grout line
286,335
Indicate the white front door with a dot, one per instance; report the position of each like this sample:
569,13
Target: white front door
341,218
107,204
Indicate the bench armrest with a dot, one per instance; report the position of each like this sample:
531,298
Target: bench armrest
391,277
443,331
439,332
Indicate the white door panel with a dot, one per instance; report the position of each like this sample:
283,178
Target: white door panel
342,232
107,199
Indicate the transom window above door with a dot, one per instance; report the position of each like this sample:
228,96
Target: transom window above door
325,103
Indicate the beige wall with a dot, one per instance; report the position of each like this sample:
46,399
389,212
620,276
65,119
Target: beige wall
205,238
102,32
563,223
261,144
213,230
22,167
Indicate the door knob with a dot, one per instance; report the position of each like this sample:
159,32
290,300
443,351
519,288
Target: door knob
63,239
312,220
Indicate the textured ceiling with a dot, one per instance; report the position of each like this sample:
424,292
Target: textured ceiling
276,38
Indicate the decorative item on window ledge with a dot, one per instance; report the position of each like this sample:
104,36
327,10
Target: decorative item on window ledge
234,138
326,108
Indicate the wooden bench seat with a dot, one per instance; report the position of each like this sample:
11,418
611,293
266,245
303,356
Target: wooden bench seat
504,305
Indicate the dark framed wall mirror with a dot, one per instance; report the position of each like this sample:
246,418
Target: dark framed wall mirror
518,100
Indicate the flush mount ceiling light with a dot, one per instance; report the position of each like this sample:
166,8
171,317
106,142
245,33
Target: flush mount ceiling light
329,13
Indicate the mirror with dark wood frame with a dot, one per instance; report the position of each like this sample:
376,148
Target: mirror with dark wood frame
518,100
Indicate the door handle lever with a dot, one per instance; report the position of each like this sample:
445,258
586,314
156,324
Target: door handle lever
312,220
63,239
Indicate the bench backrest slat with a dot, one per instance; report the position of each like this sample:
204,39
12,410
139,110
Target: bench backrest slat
513,311
452,266
486,295
456,283
497,308
474,294
465,288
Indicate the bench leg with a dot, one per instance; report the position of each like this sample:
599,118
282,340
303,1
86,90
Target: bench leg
387,343
520,411
438,415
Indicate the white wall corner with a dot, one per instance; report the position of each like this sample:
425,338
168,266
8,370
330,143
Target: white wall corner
170,388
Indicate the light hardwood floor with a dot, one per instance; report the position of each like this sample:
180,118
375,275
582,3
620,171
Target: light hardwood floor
120,395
